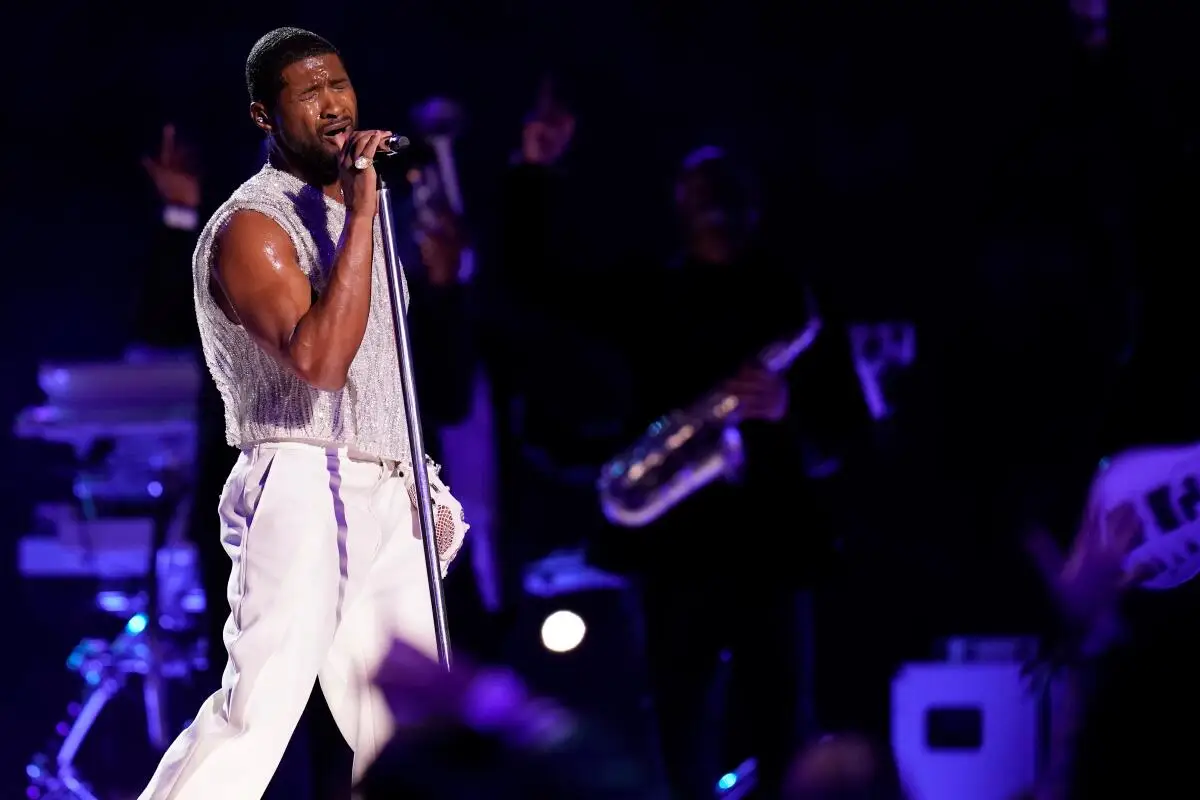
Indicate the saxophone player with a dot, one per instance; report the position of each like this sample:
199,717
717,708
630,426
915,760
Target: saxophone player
707,599
709,311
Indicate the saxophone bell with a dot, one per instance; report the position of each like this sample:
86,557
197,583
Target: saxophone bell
643,483
688,449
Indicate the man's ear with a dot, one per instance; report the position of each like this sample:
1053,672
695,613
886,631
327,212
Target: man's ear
260,117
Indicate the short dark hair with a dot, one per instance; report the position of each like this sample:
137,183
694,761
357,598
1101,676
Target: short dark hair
732,184
275,52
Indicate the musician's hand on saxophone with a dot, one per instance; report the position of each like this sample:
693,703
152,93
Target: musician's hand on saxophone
693,446
762,395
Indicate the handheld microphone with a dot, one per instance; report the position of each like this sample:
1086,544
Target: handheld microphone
391,146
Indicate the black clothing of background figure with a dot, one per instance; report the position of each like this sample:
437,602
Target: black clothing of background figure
557,384
721,571
1055,301
1041,344
1141,685
1015,359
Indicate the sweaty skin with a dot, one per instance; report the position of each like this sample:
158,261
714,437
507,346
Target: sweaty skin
257,280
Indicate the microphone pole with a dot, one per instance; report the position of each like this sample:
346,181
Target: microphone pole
412,417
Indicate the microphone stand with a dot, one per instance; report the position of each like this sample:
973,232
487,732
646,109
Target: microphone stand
412,416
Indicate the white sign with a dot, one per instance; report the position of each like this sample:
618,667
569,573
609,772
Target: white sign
880,349
1163,484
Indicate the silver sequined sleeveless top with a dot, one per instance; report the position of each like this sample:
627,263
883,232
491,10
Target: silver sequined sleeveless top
264,401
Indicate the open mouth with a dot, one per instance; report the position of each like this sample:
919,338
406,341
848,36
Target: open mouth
337,134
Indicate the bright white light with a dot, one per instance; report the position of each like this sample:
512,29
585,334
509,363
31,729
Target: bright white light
563,631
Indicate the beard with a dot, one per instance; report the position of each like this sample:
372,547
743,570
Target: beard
312,158
316,160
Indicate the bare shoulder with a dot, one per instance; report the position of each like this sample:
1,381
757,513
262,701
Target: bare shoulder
249,238
257,280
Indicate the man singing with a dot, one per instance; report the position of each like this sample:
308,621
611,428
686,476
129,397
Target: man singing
317,515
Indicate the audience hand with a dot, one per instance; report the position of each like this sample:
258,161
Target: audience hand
416,688
174,172
420,693
1090,581
764,395
478,733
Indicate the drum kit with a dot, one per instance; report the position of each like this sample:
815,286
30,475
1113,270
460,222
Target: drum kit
132,427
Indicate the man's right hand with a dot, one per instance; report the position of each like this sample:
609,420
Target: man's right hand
359,186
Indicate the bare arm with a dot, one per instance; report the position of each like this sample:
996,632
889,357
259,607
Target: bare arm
260,285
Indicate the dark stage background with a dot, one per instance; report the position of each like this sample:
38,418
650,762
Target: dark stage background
884,132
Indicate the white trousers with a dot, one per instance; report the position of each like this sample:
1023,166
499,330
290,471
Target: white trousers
328,568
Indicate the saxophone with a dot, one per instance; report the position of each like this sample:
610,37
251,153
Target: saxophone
688,449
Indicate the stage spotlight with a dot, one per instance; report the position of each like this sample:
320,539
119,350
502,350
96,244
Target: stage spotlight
563,631
577,639
737,784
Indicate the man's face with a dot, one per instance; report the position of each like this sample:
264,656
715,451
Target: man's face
316,112
697,201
